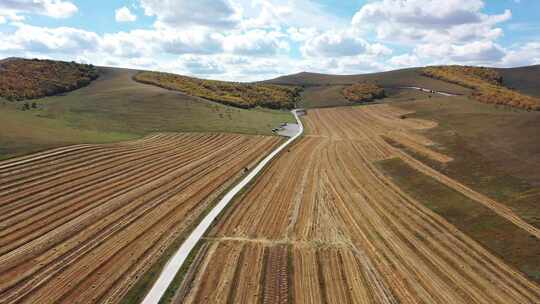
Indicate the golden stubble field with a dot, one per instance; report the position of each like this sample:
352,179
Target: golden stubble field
81,224
324,225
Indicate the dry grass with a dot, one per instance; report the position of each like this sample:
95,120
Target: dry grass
82,224
486,84
241,95
363,92
27,79
348,232
115,108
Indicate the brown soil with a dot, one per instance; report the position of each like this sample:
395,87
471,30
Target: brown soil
353,235
81,224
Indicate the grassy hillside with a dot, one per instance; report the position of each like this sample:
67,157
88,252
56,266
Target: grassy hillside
523,79
114,107
468,76
397,78
486,84
504,165
488,136
33,78
243,95
363,92
321,90
509,242
323,96
496,151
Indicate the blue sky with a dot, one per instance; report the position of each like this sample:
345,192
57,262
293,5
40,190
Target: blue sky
257,39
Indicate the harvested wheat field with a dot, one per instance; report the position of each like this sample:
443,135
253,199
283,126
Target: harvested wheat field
81,224
324,225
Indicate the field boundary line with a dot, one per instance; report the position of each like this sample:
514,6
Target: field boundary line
495,206
172,267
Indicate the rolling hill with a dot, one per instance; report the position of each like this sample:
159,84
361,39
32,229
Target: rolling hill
113,108
523,79
422,192
22,79
236,94
323,90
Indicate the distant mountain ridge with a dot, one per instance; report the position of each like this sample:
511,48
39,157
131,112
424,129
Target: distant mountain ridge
525,79
325,89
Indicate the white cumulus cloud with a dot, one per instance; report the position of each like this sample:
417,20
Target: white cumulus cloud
341,43
404,60
257,39
123,14
526,54
210,13
453,31
49,40
51,8
256,43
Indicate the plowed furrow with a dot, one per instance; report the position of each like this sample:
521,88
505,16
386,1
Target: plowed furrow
155,221
129,179
355,237
497,207
123,229
9,165
469,252
306,277
22,197
43,158
143,208
216,281
76,191
83,161
247,288
49,163
221,183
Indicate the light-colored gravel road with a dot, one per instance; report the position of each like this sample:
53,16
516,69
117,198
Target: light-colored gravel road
176,262
429,91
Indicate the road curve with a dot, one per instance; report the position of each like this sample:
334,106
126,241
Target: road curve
175,263
429,91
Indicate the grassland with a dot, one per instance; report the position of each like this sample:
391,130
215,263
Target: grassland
323,96
25,132
486,84
482,224
504,165
243,95
83,224
335,229
114,107
321,90
33,78
523,79
389,79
